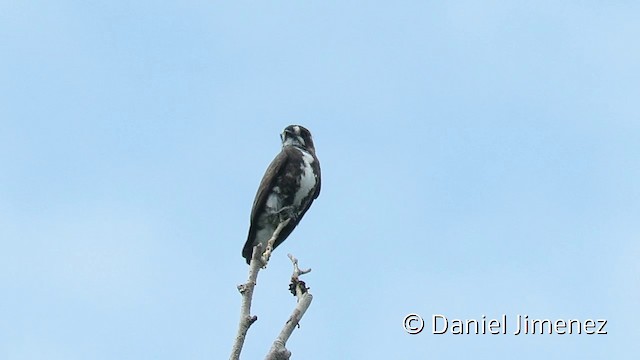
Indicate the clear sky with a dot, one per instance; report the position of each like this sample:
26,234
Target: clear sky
478,158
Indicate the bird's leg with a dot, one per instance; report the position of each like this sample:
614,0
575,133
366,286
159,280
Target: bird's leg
287,212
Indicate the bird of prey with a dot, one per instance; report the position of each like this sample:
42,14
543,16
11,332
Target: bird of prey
286,191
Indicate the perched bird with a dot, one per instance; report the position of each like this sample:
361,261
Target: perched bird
286,191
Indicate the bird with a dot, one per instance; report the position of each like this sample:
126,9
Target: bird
288,188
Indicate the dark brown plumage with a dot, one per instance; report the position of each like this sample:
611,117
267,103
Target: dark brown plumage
287,189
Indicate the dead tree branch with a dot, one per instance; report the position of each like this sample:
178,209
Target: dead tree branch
301,292
258,261
269,249
246,290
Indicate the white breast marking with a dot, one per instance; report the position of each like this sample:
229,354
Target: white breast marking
273,200
308,180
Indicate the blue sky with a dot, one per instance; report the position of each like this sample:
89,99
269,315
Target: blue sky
479,158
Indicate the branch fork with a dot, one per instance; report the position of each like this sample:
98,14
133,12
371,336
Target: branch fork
297,287
301,292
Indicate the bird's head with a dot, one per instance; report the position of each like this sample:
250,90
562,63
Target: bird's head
296,135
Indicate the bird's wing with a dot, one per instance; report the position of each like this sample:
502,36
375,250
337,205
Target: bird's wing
268,182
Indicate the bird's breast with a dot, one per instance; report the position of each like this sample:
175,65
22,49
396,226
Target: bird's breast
308,179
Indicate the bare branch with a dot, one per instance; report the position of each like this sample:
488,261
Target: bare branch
246,290
296,270
258,261
269,249
299,289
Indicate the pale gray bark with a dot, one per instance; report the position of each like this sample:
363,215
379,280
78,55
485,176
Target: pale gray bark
278,349
258,261
246,290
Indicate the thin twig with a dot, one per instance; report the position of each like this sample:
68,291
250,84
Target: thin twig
278,350
272,240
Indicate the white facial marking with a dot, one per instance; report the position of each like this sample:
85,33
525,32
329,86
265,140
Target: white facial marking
293,139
